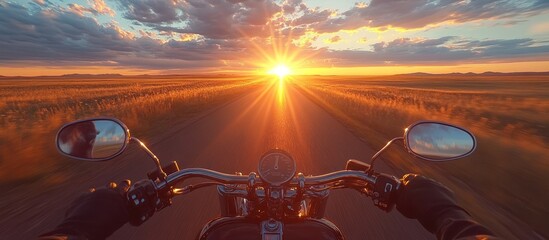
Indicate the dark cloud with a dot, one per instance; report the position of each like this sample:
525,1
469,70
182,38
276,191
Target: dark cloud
441,51
216,19
311,16
411,14
291,6
61,35
152,11
220,19
51,34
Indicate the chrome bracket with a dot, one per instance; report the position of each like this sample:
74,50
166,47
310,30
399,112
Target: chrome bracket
161,174
252,179
271,230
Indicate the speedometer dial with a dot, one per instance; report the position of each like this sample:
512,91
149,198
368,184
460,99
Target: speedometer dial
276,167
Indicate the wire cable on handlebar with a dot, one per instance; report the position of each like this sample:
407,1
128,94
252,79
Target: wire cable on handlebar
190,188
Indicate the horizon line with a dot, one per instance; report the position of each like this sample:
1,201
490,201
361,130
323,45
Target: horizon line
260,74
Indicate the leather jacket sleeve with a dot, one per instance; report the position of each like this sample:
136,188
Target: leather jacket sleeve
62,237
457,224
434,206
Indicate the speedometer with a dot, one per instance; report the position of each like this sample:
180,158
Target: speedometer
276,167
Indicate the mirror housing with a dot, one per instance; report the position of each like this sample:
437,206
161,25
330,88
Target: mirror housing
94,139
437,141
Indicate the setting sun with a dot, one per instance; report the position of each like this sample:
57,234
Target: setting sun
281,70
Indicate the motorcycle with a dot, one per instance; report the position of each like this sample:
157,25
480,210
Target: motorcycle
276,202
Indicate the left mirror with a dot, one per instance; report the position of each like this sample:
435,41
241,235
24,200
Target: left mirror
93,139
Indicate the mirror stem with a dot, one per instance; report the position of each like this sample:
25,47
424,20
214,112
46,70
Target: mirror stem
162,175
381,151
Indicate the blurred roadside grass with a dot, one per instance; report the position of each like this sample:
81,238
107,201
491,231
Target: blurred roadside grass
32,110
508,115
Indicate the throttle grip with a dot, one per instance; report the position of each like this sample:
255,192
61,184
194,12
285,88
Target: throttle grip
384,191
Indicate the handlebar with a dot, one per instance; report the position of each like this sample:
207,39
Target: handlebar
145,196
223,178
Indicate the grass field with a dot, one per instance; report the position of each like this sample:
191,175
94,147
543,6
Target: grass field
33,109
508,114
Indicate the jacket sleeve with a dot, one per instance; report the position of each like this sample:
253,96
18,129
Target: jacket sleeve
60,237
456,224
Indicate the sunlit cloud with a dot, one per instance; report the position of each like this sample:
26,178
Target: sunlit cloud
97,7
334,39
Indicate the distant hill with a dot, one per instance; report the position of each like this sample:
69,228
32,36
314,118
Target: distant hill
75,75
107,76
479,74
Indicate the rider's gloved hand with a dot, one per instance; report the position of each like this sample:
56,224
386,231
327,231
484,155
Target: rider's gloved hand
96,214
434,206
426,200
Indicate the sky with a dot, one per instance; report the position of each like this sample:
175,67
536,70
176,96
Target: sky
376,37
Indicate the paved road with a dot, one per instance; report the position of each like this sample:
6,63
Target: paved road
230,139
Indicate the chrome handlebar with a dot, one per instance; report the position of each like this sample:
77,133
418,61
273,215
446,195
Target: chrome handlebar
223,178
147,196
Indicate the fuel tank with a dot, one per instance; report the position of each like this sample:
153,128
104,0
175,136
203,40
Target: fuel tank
225,228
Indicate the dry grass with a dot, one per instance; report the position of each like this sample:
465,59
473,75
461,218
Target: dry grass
32,109
508,114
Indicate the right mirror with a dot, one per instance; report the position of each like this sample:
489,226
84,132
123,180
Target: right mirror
436,141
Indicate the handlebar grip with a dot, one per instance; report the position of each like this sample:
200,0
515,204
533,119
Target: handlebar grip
384,191
142,199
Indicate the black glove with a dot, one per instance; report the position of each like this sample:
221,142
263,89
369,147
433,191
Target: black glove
97,214
427,201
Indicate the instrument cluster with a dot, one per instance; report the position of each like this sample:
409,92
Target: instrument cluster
276,167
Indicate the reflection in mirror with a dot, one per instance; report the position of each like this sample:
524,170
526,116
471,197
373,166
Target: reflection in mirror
439,142
92,139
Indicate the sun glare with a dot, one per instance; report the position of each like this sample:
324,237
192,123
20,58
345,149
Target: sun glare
281,70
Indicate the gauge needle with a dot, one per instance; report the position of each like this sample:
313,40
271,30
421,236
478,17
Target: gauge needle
276,163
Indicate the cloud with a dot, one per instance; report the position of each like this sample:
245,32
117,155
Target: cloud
411,14
334,39
220,19
291,6
40,2
439,51
311,16
52,34
215,19
98,7
101,8
152,11
219,33
64,37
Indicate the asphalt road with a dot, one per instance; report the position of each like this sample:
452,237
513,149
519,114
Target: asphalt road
232,138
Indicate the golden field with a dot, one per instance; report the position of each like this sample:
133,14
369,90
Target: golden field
33,109
509,115
503,184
